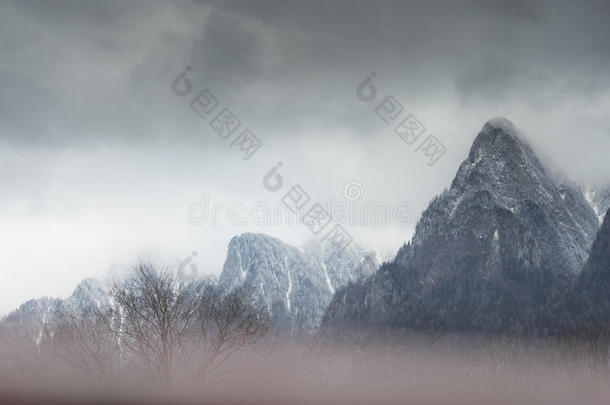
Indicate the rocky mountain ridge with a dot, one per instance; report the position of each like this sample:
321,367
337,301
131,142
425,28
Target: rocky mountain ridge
490,254
293,285
26,324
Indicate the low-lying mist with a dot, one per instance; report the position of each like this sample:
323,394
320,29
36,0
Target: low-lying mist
397,369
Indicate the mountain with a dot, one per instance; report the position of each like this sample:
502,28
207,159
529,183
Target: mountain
488,255
26,324
589,303
89,293
599,198
293,285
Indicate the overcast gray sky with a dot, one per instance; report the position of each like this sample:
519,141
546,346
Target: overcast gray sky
100,160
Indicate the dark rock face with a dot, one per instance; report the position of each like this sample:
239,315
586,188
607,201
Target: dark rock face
489,254
589,303
595,278
294,285
89,293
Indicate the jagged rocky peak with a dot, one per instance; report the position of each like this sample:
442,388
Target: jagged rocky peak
89,293
28,321
602,200
498,132
287,283
34,310
504,181
504,171
342,264
251,254
499,153
599,198
505,239
24,326
293,284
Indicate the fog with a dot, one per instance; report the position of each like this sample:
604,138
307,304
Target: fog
449,370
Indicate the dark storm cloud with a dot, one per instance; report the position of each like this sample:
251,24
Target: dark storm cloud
563,53
75,71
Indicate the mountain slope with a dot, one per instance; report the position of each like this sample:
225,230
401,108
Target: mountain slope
26,324
590,301
294,285
599,198
489,254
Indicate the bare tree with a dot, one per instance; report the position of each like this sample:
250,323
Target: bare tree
155,313
82,341
165,322
226,322
156,327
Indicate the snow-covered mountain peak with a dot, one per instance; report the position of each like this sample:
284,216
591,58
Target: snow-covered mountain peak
90,292
500,145
504,124
506,230
599,199
294,284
